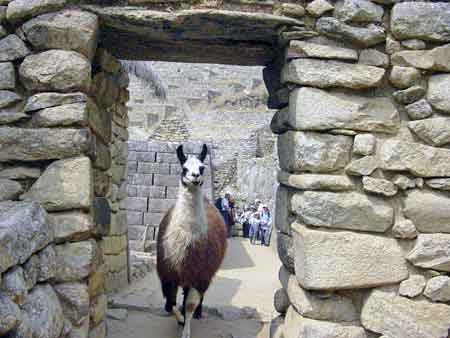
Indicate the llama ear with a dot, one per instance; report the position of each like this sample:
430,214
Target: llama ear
203,154
180,154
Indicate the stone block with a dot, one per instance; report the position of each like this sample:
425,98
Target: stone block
99,331
47,263
46,100
296,326
149,156
413,286
314,50
166,180
116,263
134,217
142,179
71,225
116,281
313,152
56,70
11,316
31,271
418,159
359,11
24,144
7,76
347,210
153,168
96,281
404,77
348,257
157,205
65,184
74,114
151,191
14,285
285,248
118,224
409,95
24,231
12,48
434,131
132,167
23,9
76,261
379,186
438,94
153,218
340,111
373,57
437,59
419,110
431,251
394,316
319,7
425,21
9,189
172,192
74,299
364,144
113,245
97,309
134,203
68,30
166,158
438,289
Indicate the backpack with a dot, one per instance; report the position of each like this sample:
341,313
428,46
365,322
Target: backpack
218,203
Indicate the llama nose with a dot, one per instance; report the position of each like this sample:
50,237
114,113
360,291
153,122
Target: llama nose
195,175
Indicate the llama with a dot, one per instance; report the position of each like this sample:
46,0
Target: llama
191,243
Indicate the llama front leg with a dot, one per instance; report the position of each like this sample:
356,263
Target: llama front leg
192,301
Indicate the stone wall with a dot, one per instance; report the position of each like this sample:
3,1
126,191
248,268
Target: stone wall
153,182
63,153
363,148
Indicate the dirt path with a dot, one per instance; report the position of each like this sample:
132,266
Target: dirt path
239,302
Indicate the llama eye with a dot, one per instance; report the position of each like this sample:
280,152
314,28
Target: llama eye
185,171
202,169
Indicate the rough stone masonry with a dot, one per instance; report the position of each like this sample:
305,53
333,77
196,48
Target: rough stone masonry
362,89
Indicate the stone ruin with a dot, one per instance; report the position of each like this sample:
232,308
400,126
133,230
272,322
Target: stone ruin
362,89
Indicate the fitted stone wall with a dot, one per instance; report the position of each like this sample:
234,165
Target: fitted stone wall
153,182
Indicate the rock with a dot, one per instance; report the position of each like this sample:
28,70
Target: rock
280,300
314,152
319,7
316,182
20,172
9,190
425,21
419,182
99,331
47,100
47,264
8,98
57,70
325,74
347,210
68,30
437,59
431,251
42,143
403,182
31,271
71,226
379,186
439,183
24,231
7,75
409,95
121,314
113,245
285,246
419,110
414,44
404,77
413,286
10,314
76,261
315,50
44,312
64,185
373,57
12,48
311,304
81,331
23,330
96,281
22,9
392,45
428,211
362,36
14,286
362,167
345,254
420,160
404,230
359,11
296,326
75,114
97,309
438,94
438,289
364,144
434,131
74,299
394,316
340,111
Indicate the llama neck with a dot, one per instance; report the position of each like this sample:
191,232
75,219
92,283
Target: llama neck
190,207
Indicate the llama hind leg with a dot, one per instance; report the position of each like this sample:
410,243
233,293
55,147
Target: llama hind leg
192,302
199,310
169,290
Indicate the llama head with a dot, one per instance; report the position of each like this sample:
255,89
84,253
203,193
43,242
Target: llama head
192,167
